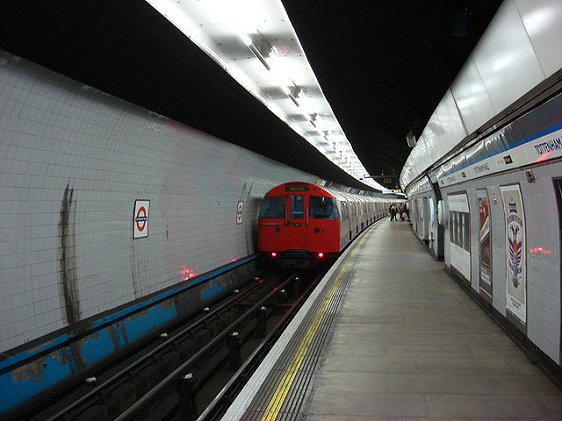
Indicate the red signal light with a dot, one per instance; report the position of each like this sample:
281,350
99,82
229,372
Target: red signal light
320,255
273,254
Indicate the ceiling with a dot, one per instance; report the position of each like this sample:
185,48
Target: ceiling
383,66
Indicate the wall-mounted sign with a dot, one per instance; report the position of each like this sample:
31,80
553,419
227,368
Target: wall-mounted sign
140,219
239,209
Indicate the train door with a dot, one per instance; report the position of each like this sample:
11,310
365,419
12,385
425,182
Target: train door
296,221
558,189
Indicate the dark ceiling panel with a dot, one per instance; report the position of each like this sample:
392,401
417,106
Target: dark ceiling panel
385,65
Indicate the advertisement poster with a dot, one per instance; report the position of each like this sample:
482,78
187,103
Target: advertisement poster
485,245
459,233
516,279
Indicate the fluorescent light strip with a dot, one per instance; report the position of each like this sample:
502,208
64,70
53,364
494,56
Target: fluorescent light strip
258,55
209,23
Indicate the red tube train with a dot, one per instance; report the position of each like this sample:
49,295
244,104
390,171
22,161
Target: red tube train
301,223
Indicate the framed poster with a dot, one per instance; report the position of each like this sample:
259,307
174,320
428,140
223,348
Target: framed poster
516,271
485,241
459,233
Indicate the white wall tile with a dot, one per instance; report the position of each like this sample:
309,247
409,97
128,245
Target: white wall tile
54,134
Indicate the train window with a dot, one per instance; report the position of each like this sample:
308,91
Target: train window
272,207
297,207
323,207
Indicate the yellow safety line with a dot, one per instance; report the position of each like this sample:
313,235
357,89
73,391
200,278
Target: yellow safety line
286,382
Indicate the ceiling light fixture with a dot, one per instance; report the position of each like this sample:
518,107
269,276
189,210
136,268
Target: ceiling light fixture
213,25
258,55
245,39
293,99
248,43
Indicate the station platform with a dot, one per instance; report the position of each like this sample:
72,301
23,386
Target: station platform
389,335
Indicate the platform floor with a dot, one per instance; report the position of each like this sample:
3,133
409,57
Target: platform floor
407,342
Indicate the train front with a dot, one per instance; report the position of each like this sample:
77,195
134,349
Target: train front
298,225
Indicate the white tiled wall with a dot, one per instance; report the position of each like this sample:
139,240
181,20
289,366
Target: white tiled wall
57,134
542,269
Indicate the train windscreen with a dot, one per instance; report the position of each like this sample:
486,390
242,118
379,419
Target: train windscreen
272,207
323,208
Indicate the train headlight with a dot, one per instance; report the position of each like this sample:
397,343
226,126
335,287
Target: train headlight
320,255
273,254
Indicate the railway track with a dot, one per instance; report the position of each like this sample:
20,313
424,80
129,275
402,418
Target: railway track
194,369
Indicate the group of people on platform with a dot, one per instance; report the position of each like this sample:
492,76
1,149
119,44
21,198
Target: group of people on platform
399,211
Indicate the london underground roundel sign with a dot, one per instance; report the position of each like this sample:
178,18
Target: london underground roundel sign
140,219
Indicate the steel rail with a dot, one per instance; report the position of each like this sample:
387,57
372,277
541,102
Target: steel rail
139,407
122,374
212,410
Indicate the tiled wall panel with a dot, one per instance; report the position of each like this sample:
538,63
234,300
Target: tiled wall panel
72,163
542,268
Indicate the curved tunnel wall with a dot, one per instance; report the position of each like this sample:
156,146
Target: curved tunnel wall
73,161
519,51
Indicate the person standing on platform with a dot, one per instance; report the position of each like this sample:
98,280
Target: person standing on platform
392,210
401,212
